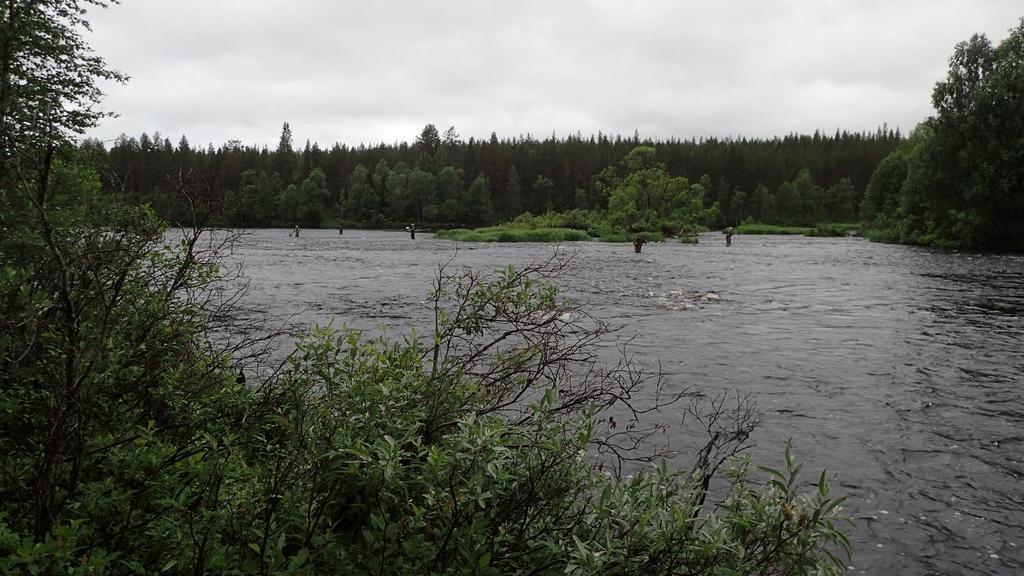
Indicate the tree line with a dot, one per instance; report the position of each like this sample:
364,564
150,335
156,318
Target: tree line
442,178
958,181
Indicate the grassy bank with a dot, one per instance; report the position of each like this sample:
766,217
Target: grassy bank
826,229
772,229
516,234
835,229
508,234
630,236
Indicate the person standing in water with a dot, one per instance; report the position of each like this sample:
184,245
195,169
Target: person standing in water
728,236
294,232
638,244
412,231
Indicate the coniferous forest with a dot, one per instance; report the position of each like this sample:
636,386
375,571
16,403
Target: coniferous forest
443,179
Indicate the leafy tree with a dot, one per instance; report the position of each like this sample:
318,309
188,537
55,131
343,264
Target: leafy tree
800,201
450,196
428,144
398,194
960,178
882,195
361,202
601,186
379,178
648,199
479,209
268,191
290,206
49,81
313,199
737,206
248,211
764,204
541,194
622,211
422,192
840,202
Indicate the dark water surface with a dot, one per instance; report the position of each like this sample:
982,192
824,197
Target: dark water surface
900,368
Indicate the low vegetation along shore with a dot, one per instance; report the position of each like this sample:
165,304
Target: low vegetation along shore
508,234
823,230
516,234
512,234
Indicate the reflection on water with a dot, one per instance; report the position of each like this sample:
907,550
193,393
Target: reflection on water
900,368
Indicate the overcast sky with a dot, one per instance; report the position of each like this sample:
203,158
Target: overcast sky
374,71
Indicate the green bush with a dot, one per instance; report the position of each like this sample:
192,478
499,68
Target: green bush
754,228
825,229
576,219
506,234
835,229
630,236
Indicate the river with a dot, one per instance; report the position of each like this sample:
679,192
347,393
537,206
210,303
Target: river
899,368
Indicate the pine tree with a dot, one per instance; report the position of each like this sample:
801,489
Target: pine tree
285,157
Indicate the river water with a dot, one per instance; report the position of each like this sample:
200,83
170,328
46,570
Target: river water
899,368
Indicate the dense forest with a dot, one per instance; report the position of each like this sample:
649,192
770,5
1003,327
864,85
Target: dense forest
958,181
441,178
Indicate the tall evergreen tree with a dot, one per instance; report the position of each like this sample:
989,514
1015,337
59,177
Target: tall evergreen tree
286,160
428,144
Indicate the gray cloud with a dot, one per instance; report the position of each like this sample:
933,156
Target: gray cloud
377,71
